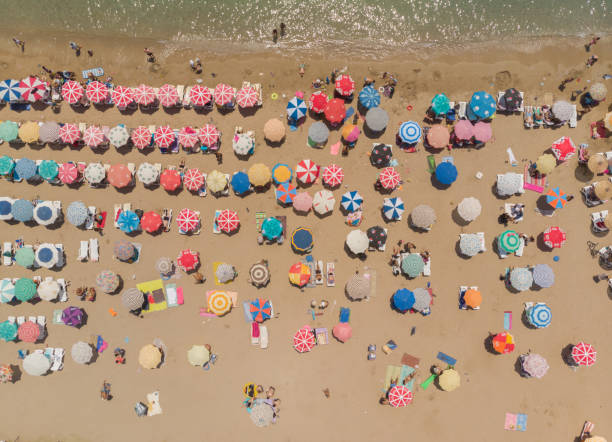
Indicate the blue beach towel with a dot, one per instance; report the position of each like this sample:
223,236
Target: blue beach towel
98,72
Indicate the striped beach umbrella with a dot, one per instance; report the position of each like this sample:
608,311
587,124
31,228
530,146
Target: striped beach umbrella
482,105
69,133
400,396
9,90
9,131
440,104
539,315
369,97
296,109
345,85
333,175
128,221
247,96
164,136
282,173
259,274
271,228
556,198
122,96
188,137
199,95
393,208
554,237
318,101
93,136
260,309
151,221
323,202
228,221
351,201
141,137
219,302
410,132
209,135
285,192
95,173
32,89
168,95
48,170
119,136
299,274
72,92
389,178
7,164
304,340
193,180
97,92
107,281
509,241
307,171
584,354
188,260
7,290
224,94
144,95
188,220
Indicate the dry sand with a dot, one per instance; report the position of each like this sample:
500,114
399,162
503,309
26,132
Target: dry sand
202,405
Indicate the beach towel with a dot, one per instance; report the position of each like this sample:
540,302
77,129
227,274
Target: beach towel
515,422
431,161
101,344
345,314
531,183
335,148
216,228
259,217
246,309
156,298
446,358
507,320
171,295
399,372
98,72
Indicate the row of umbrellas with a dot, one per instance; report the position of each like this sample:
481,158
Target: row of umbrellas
44,213
46,255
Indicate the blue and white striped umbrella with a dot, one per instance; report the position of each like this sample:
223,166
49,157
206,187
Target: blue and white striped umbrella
351,201
410,132
540,315
296,109
9,90
128,221
393,208
369,97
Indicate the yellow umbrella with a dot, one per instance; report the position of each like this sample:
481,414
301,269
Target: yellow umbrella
546,163
198,355
597,163
259,174
219,302
449,380
274,130
608,121
150,356
603,190
216,181
28,132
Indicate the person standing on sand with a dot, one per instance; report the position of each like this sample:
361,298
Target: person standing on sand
593,41
275,36
150,56
76,48
592,60
283,29
19,43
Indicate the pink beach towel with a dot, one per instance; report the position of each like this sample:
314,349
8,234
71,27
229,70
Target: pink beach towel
335,148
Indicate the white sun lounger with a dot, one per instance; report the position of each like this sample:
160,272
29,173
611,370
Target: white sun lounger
83,251
598,219
462,109
62,257
180,89
89,224
21,320
63,294
7,254
57,359
187,98
573,121
93,250
263,336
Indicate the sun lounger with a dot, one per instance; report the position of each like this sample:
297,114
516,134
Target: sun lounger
32,319
154,408
263,337
171,295
508,209
117,212
132,168
528,117
21,320
321,336
89,224
589,196
319,273
180,89
62,257
187,98
167,219
7,254
57,359
11,319
462,291
94,250
599,221
462,110
331,274
126,206
255,333
63,294
427,267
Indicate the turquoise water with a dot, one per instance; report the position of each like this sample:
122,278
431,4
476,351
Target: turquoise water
314,24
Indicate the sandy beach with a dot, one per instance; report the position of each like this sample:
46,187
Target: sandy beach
207,405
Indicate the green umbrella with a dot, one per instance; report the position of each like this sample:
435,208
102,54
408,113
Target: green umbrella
271,228
25,257
413,265
9,130
509,241
25,289
6,165
440,104
48,170
8,331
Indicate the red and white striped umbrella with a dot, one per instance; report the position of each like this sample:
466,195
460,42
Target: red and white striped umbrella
224,94
200,95
400,396
97,92
68,173
584,354
188,220
307,171
208,135
144,94
389,178
141,137
247,96
164,136
333,175
193,179
72,92
188,136
304,340
93,136
32,89
554,237
122,96
228,221
345,85
70,133
318,101
167,95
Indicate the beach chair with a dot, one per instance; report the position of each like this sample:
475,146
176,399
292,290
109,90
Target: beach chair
187,98
462,291
57,359
7,253
21,320
83,251
528,117
180,89
590,199
501,103
509,210
132,168
63,294
462,110
167,219
126,207
521,108
32,319
263,337
11,319
62,257
117,213
158,167
321,336
94,250
599,221
573,121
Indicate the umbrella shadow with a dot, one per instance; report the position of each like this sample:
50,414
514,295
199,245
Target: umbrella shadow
457,219
262,189
248,112
540,243
349,252
488,345
566,355
128,110
172,110
415,228
542,205
300,212
56,146
149,110
460,253
324,215
125,149
274,144
202,110
526,322
583,174
437,184
369,133
518,367
495,193
17,373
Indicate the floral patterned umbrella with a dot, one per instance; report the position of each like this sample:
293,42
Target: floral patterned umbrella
107,281
170,180
318,101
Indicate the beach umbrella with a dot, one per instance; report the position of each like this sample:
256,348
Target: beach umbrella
393,208
299,274
170,179
564,148
228,221
335,111
412,265
463,129
25,257
81,352
469,208
381,155
302,202
164,136
543,275
128,221
188,220
512,99
219,302
45,213
482,131
132,298
72,316
282,173
345,85
546,163
333,175
25,289
377,236
540,315
260,309
7,290
7,164
36,364
318,101
422,216
597,163
318,133
107,281
69,133
274,130
29,132
562,110
307,171
438,136
598,91
554,237
193,179
47,256
187,137
8,331
472,298
584,354
595,439
259,174
262,414
243,144
482,105
556,198
509,183
304,340
119,176
49,132
369,97
342,331
141,137
28,332
449,380
440,104
118,136
389,178
22,210
217,181
534,365
351,201
399,396
48,290
6,373
198,355
144,95
377,119
503,343
240,182
603,190
470,244
357,241
446,173
509,241
77,213
147,174
357,287
6,208
188,260
168,95
93,136
403,300
247,96
48,170
32,89
209,135
224,94
410,132
9,90
26,168
259,274
122,96
124,250
9,131
199,95
149,357
164,265
350,133
296,109
521,279
323,202
302,240
422,300
97,92
271,228
285,192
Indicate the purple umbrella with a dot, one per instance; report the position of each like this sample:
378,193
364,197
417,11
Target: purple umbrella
72,316
464,130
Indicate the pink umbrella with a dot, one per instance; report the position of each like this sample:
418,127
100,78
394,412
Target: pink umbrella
304,340
224,94
302,202
188,137
247,97
307,171
342,331
438,136
464,130
333,175
72,92
188,220
399,396
69,133
144,94
208,135
389,178
564,148
68,173
167,95
164,136
228,221
32,89
482,131
97,92
93,136
193,180
141,137
200,95
122,96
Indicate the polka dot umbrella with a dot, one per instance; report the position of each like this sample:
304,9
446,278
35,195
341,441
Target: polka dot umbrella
147,174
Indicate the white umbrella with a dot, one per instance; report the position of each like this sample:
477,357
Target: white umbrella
469,208
262,414
48,290
423,216
82,352
598,91
36,364
521,279
357,241
323,202
95,173
118,136
147,174
7,290
562,110
469,244
422,299
534,365
47,255
198,355
357,287
225,273
243,144
45,213
509,183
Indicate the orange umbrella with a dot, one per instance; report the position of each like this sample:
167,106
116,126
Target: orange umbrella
119,176
472,298
503,343
438,137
